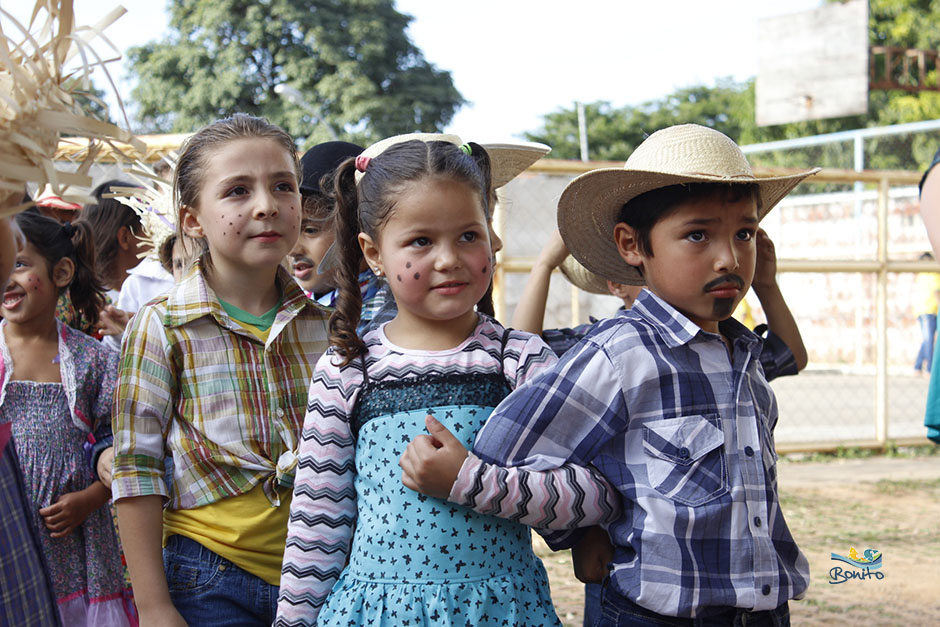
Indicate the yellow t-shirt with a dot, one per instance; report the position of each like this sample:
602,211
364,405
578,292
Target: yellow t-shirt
245,529
926,286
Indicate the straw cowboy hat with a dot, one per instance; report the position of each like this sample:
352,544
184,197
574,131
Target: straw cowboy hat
582,278
590,205
507,160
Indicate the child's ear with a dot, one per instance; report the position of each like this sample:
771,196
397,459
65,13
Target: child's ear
628,245
126,238
189,222
371,253
62,272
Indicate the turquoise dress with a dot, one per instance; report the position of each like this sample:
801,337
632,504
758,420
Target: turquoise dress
418,560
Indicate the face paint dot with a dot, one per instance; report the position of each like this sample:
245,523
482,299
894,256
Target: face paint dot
417,276
398,276
408,264
485,268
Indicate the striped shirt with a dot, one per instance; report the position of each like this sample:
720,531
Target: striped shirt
323,509
197,387
685,435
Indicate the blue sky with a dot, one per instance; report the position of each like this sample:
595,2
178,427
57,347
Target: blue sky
515,60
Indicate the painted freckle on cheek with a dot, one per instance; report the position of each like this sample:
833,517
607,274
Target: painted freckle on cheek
485,268
417,275
398,276
408,264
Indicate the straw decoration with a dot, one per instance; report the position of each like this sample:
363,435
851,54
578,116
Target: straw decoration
43,66
153,202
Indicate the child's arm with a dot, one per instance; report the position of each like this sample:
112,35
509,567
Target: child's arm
530,312
561,498
141,523
71,509
323,509
779,318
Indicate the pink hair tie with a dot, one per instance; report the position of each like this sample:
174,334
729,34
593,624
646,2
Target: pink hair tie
362,162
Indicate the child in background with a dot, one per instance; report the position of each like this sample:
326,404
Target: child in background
214,377
667,399
422,209
57,386
316,227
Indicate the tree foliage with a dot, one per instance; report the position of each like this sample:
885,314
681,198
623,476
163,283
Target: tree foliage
350,58
729,107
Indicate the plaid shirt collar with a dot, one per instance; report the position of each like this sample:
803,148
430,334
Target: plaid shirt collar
676,329
193,299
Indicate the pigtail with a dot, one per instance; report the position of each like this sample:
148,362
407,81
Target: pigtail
348,256
485,304
482,159
85,290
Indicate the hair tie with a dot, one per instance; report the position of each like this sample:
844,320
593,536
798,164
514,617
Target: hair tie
362,162
467,149
68,229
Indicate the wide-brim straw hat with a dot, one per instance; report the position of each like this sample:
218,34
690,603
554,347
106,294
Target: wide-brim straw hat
582,278
507,161
590,205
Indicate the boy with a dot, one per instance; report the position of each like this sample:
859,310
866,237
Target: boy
666,399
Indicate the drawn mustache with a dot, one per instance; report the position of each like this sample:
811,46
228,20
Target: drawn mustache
722,280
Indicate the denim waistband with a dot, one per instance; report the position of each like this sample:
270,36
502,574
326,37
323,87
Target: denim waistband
187,547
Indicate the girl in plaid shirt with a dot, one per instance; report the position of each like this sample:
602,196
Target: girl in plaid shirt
212,389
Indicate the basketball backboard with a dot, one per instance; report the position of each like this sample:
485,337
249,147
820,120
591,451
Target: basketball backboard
813,65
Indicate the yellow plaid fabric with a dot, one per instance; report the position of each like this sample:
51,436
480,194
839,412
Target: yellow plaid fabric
203,410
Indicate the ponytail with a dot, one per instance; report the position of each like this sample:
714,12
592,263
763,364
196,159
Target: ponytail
75,241
348,255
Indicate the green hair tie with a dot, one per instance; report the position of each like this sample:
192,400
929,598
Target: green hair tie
467,149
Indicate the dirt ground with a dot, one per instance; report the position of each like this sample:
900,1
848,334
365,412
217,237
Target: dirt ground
888,504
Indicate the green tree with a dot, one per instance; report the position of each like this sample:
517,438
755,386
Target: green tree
350,58
728,106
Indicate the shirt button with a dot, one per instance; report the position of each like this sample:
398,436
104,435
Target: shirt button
684,453
280,412
757,521
749,451
765,589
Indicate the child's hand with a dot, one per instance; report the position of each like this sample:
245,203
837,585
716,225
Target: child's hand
431,463
592,555
554,252
70,510
765,271
105,461
112,321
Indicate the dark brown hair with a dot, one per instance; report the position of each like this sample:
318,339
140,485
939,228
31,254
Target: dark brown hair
366,207
196,152
106,216
55,241
644,211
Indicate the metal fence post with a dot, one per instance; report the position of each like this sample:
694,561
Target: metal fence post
881,317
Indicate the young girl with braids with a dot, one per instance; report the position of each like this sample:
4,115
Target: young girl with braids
56,387
419,216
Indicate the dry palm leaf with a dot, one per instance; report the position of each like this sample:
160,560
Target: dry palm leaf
43,66
153,202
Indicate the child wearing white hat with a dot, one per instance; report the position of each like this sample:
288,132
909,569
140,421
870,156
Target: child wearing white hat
666,399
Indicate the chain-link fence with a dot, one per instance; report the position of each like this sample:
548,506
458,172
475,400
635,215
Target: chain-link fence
846,266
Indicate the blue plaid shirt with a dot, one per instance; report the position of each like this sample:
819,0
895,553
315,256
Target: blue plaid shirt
685,435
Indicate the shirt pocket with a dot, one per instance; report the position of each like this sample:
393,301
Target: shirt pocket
686,458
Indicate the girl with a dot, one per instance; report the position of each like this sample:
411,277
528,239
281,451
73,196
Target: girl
422,208
56,387
212,389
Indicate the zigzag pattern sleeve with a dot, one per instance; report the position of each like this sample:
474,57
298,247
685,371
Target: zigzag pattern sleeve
323,509
567,497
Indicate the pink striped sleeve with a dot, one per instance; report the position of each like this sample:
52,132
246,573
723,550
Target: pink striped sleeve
567,497
323,509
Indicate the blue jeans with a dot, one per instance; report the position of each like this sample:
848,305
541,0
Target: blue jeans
928,332
619,611
592,604
207,589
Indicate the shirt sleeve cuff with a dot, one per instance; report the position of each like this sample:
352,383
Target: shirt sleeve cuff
460,491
